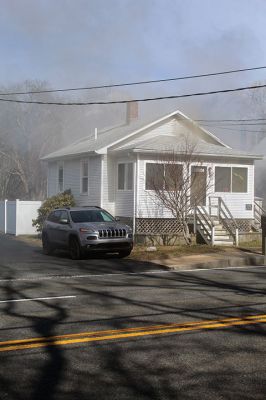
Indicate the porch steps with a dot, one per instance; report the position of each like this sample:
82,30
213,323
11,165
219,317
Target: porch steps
223,243
221,236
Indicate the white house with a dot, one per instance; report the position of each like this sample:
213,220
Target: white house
109,170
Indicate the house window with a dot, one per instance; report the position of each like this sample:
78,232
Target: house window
239,180
60,177
164,176
154,176
173,176
84,176
222,179
125,176
231,179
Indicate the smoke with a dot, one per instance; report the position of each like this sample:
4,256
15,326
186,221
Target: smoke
81,43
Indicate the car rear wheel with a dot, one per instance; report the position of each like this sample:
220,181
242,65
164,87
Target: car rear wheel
75,249
124,253
46,245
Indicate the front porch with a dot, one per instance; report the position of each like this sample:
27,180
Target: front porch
212,224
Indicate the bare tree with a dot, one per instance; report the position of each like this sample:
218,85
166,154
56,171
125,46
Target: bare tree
6,167
178,181
30,131
27,133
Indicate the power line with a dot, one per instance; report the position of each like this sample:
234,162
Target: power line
231,120
235,129
233,71
134,100
237,124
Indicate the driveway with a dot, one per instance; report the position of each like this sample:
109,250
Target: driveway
24,258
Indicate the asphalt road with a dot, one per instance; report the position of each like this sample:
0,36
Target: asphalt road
117,329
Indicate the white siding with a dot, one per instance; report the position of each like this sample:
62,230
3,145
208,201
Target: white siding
109,182
172,128
148,206
72,180
121,202
95,180
72,176
52,179
117,202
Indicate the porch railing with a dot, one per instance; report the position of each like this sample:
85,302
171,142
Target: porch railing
258,211
224,215
204,224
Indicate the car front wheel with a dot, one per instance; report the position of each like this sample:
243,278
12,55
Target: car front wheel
75,249
124,253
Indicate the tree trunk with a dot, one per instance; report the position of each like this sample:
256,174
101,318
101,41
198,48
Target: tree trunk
186,233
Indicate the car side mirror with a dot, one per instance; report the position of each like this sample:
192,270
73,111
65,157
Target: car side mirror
64,221
117,219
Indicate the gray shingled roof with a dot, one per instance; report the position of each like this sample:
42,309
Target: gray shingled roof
105,137
112,136
167,143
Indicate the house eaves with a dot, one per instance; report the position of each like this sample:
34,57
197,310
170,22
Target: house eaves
109,138
170,144
51,157
202,154
76,149
208,133
157,122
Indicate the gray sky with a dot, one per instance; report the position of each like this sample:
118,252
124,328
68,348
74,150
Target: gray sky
74,42
81,42
84,42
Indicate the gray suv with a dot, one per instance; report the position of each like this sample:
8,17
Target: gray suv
85,229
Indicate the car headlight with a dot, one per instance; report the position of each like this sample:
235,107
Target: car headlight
86,230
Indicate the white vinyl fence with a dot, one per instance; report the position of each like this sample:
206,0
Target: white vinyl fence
16,216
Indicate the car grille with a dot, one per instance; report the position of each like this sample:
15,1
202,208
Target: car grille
112,233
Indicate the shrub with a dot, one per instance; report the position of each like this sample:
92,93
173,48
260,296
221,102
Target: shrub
64,199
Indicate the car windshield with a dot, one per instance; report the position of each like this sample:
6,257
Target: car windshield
91,216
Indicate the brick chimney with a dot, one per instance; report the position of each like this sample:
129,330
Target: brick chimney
132,112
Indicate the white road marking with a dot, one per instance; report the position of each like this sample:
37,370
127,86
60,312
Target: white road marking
37,299
49,277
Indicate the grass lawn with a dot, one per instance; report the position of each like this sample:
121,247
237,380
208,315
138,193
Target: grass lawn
32,239
141,253
251,244
163,252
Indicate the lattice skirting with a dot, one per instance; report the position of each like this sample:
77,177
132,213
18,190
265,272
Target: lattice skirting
153,226
244,225
170,226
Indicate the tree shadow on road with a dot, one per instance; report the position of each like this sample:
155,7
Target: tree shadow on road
227,363
42,381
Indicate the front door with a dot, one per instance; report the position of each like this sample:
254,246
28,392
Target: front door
198,186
